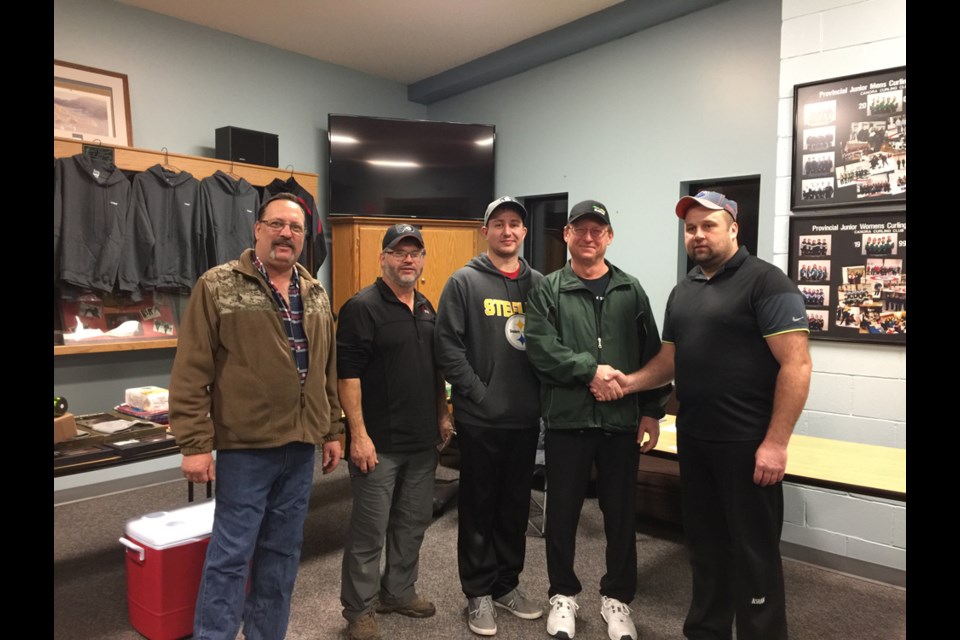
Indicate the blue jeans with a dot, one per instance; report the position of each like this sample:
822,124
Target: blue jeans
392,507
262,501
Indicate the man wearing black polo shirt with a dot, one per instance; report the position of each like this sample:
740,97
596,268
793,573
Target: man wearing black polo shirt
735,337
393,397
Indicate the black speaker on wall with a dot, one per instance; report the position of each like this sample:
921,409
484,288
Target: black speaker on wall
244,145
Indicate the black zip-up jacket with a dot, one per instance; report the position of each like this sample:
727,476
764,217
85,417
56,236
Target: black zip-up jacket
91,200
164,248
229,209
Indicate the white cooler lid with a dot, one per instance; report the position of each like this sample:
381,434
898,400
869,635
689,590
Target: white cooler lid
163,529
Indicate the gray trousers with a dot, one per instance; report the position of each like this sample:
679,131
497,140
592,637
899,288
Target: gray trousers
393,504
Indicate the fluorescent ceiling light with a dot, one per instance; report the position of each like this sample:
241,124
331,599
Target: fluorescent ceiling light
402,164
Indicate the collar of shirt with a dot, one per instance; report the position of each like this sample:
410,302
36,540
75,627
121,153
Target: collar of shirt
733,263
292,318
294,283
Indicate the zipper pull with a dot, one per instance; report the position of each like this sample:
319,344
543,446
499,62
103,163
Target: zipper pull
303,398
599,343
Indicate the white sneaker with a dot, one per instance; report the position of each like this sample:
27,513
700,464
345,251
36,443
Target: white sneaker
617,616
562,621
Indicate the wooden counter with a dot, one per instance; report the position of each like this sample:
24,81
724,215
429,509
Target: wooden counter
832,464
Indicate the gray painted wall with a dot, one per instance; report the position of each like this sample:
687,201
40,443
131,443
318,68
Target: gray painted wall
627,122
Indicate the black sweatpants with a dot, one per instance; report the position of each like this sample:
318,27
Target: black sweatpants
570,455
496,473
733,531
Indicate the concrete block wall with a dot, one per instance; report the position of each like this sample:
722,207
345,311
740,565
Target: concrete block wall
858,392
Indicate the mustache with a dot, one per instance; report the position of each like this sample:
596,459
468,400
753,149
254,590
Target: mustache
282,242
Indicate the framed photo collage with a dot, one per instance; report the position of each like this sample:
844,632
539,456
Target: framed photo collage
848,234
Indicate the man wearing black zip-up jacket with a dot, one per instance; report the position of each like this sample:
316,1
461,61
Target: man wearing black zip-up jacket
586,323
481,348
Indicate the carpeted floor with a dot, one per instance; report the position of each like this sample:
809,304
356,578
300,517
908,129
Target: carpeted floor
90,580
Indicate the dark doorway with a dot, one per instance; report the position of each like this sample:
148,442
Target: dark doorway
746,191
544,248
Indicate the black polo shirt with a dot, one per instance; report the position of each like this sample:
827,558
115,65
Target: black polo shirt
390,350
725,372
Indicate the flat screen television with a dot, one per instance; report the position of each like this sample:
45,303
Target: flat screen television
409,168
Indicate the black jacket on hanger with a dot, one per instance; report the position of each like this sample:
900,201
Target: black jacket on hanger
315,229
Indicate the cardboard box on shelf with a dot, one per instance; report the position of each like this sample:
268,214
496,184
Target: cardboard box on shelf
64,427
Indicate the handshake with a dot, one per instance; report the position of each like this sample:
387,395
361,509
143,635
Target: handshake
609,384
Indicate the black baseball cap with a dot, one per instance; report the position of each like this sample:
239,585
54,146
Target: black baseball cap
397,232
589,208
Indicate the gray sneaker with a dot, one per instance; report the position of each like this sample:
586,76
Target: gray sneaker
517,603
481,617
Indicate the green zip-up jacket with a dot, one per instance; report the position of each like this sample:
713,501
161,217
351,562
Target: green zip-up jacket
569,332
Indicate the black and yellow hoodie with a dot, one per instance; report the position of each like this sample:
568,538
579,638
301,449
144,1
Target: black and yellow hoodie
481,346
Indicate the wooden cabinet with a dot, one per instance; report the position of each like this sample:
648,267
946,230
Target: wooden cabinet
357,245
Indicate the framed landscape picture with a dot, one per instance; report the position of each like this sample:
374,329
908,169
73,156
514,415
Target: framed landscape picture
91,104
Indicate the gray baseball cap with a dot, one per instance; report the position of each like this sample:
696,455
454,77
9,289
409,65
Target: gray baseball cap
505,201
708,199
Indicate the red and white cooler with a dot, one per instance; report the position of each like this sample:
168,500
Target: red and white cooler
165,554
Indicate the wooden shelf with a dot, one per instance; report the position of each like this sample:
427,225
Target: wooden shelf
134,159
832,464
107,347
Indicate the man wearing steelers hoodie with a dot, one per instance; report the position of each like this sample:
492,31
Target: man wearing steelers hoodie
481,349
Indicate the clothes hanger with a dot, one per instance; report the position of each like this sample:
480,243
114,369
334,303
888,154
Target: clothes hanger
166,166
95,153
291,180
231,173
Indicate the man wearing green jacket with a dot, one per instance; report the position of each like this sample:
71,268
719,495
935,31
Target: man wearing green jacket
586,323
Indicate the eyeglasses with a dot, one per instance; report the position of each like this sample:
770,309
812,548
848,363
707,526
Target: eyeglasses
596,233
416,254
277,226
